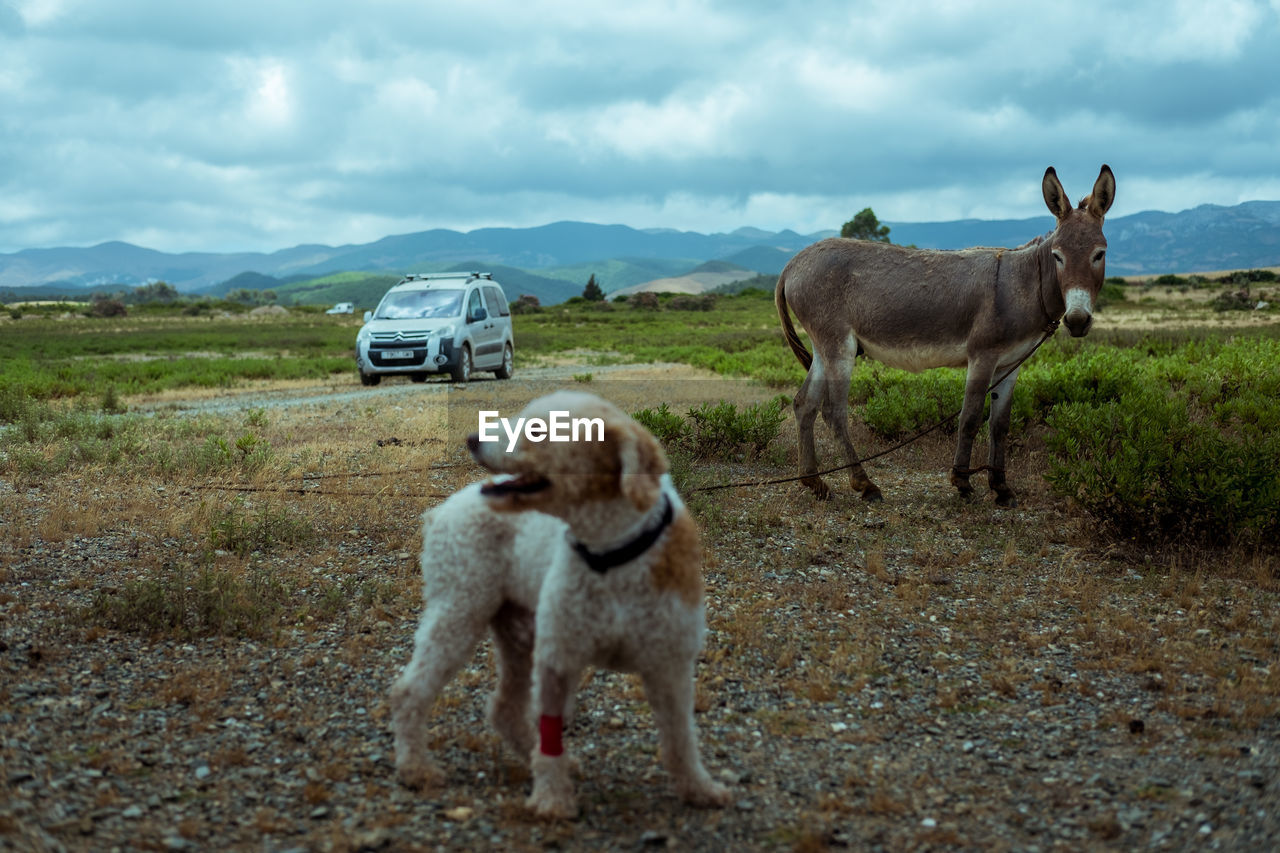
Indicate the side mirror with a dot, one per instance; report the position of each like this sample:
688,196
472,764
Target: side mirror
368,315
478,315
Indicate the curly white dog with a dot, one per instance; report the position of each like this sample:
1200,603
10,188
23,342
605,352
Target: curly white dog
578,553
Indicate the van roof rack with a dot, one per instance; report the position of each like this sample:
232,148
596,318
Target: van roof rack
416,276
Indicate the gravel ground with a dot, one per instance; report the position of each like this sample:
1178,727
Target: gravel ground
920,674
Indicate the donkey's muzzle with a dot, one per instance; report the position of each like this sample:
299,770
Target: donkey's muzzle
1078,324
1079,314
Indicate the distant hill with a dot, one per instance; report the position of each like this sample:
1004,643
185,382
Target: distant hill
701,279
560,257
365,289
1204,239
247,281
516,282
766,260
614,274
362,288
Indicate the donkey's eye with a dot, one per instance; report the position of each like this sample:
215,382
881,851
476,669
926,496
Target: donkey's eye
1099,255
1057,256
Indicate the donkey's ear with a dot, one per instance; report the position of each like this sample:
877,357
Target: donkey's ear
1054,195
1104,192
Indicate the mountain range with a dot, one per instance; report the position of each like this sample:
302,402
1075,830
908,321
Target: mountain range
554,261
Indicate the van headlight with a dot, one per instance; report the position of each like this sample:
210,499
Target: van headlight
446,331
362,335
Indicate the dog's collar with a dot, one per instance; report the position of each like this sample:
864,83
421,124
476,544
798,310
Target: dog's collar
603,561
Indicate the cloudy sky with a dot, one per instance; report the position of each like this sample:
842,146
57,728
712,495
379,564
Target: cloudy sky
228,126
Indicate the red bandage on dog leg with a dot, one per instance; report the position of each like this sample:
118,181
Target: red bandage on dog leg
550,729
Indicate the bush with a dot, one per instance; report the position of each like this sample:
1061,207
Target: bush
646,301
719,429
1233,300
666,425
107,307
688,302
526,304
901,403
1246,277
1195,466
15,402
1111,292
240,532
184,601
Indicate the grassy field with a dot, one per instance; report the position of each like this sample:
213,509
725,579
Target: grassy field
1217,369
201,613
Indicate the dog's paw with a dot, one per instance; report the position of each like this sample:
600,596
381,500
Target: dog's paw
552,795
709,795
555,805
419,775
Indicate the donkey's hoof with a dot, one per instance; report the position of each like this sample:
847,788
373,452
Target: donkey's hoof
818,487
872,494
1006,499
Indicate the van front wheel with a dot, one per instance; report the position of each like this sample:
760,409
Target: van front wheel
461,372
504,372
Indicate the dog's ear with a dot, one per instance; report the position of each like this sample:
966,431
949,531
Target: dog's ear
641,466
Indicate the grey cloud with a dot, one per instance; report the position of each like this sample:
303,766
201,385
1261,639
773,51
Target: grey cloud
151,119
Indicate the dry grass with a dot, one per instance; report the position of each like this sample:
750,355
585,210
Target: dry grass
839,613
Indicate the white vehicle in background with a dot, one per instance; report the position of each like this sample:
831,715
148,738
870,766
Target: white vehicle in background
342,308
435,323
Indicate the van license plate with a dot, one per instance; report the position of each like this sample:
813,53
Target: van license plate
397,353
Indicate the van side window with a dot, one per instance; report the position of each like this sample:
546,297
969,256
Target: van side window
497,305
473,303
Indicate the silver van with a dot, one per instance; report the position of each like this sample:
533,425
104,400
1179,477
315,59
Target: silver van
436,323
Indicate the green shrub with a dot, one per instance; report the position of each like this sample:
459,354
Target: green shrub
1233,300
246,454
242,532
1169,466
182,601
1246,277
692,302
1111,293
716,430
720,429
15,402
666,425
111,404
904,403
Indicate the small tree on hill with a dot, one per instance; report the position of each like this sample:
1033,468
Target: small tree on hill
865,226
106,305
593,292
157,291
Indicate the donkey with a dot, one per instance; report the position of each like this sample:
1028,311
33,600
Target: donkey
982,308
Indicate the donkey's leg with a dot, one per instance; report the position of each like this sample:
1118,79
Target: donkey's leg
981,371
835,412
809,399
1001,410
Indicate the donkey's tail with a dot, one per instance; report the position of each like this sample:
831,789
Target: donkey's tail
793,339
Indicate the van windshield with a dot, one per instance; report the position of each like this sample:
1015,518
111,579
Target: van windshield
420,304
